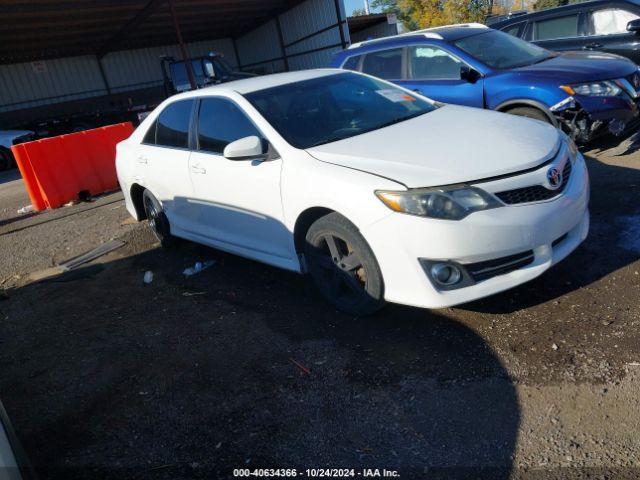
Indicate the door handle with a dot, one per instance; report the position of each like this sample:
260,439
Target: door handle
142,159
592,46
198,169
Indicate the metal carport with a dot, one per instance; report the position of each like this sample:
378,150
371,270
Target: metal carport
57,57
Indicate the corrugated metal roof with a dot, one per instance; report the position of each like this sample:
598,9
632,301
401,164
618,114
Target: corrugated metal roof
38,29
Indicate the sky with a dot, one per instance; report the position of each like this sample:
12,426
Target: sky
351,5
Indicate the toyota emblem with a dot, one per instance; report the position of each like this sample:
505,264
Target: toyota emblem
554,177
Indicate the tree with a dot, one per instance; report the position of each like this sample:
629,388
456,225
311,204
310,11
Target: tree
358,12
403,12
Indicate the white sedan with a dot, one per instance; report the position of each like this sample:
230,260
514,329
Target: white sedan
377,192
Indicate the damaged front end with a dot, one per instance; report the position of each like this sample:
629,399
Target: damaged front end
583,126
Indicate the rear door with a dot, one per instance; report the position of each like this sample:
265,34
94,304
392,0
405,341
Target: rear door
560,32
435,73
162,161
607,29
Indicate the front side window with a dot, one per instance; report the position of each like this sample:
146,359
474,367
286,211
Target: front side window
221,122
501,50
433,63
172,128
611,21
385,64
555,28
334,107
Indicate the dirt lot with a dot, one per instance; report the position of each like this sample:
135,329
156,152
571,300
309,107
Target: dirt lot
243,366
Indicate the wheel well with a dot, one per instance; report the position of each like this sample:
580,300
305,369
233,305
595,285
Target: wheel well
534,106
136,198
304,221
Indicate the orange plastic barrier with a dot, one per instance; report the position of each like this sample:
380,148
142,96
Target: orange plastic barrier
55,170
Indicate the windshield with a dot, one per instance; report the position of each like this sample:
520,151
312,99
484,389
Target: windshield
501,50
330,108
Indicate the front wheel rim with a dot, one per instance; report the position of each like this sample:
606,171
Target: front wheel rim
339,268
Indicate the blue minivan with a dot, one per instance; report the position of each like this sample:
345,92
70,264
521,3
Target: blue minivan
584,93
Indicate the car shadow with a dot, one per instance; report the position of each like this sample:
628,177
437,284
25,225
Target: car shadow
242,366
611,245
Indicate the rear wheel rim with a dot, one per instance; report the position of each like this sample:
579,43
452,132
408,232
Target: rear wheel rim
153,215
339,269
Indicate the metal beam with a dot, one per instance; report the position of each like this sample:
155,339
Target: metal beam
343,40
282,48
104,76
132,24
183,48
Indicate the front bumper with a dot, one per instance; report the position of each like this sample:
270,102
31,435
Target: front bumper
399,241
588,117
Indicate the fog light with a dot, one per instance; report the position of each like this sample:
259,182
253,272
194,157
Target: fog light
446,274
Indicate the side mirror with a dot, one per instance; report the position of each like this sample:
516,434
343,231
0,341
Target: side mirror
247,148
469,74
634,26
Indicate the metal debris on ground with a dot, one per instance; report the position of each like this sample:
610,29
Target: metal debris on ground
148,277
99,251
197,268
76,262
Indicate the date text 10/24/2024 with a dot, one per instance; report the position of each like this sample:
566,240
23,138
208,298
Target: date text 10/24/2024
316,473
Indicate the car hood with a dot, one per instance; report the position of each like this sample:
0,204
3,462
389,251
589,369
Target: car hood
575,67
452,144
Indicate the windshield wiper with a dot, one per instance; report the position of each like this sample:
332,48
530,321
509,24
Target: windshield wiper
326,140
398,120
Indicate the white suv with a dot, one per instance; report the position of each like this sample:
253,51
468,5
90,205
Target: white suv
377,192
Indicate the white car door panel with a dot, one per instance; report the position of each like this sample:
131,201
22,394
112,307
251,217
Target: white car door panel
239,202
162,162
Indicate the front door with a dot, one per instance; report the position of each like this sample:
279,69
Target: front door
435,73
240,208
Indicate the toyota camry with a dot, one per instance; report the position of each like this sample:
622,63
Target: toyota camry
378,193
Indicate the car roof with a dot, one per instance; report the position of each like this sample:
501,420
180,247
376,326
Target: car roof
253,84
447,33
562,8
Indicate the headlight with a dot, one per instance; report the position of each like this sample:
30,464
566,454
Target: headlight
595,89
447,203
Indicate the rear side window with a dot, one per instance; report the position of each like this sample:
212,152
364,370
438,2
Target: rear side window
611,21
385,64
513,29
172,129
555,28
351,63
433,63
221,122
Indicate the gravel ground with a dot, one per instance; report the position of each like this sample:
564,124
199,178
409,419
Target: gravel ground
244,366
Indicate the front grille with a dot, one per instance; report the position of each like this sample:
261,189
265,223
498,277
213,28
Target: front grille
488,269
535,193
